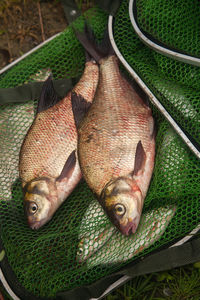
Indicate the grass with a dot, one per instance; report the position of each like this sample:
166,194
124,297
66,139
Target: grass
177,284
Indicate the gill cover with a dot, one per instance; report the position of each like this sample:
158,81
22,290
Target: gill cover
122,198
38,195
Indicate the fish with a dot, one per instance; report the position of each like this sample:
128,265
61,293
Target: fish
121,249
12,132
95,230
92,242
41,75
48,164
116,142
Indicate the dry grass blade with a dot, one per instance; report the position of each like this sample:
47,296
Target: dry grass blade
41,21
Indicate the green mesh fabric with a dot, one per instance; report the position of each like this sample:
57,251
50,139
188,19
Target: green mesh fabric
176,84
76,247
172,23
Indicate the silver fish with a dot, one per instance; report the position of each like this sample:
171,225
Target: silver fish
120,249
116,144
48,164
94,232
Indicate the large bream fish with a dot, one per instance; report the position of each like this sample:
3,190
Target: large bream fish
116,143
48,165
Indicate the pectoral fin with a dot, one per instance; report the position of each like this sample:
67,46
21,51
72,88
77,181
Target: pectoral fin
68,167
79,107
48,97
140,158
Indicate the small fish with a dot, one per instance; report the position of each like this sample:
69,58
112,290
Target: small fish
116,143
92,242
94,232
120,249
12,132
41,75
48,164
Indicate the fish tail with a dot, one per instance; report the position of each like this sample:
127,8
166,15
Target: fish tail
88,40
48,96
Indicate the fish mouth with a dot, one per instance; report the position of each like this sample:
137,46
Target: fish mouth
129,228
36,224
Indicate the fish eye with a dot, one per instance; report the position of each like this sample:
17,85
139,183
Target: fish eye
120,209
80,251
33,207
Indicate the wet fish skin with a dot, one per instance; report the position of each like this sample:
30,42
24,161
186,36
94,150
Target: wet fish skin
116,147
48,164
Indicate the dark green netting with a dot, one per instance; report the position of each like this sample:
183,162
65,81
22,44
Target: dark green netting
73,249
172,23
176,84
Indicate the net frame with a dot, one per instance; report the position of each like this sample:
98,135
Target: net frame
156,46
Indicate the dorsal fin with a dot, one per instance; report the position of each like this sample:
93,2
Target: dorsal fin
140,158
48,97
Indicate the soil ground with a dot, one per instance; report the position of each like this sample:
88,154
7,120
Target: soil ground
26,23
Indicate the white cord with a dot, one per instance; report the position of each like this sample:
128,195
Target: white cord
172,54
152,97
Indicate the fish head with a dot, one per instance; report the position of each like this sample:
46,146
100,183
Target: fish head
122,200
39,201
90,244
83,251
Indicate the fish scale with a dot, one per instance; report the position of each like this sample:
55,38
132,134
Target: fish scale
54,133
116,143
51,155
48,164
114,127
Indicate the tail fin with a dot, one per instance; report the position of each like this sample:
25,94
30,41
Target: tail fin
89,42
48,96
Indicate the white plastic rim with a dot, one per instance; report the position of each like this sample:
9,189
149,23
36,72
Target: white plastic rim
167,52
7,287
155,101
113,286
187,237
151,96
28,53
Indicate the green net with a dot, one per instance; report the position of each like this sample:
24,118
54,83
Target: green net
80,245
172,23
176,84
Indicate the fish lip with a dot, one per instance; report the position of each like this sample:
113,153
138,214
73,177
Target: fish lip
36,224
129,228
